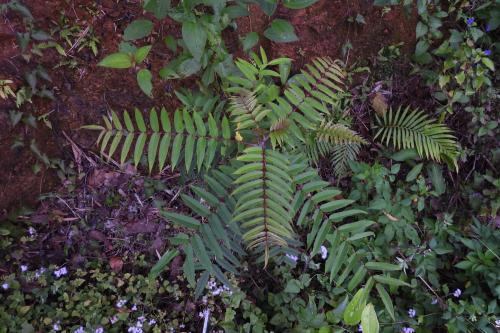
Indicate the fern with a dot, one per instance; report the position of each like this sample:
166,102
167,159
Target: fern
341,155
189,137
264,194
407,129
212,245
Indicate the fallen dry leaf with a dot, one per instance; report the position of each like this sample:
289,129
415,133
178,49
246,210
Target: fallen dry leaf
379,104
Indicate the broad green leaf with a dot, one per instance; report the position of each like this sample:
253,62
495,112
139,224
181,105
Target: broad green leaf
158,7
163,150
281,31
152,150
139,148
249,41
293,287
153,120
386,299
195,38
182,220
369,321
144,78
176,150
390,281
381,266
116,60
139,119
353,310
414,172
436,175
137,29
171,43
165,259
488,63
298,4
126,147
142,53
189,151
188,265
201,252
189,67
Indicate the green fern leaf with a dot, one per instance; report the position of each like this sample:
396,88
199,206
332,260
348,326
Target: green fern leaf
413,129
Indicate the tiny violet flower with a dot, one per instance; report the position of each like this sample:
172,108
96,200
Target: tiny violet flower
457,293
412,313
408,330
470,21
99,330
360,328
56,326
324,252
31,231
39,272
5,286
497,323
80,330
152,322
24,268
134,307
488,28
113,319
487,53
292,257
61,272
434,301
121,303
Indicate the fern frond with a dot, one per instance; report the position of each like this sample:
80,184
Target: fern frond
341,155
211,242
278,131
191,137
246,111
337,134
264,192
308,94
413,129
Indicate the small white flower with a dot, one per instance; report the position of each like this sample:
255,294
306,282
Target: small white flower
412,313
32,231
61,272
182,326
152,322
80,330
292,257
434,301
324,252
457,293
113,319
134,308
56,326
121,303
5,286
24,268
99,330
